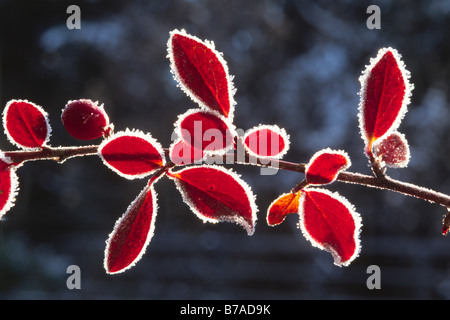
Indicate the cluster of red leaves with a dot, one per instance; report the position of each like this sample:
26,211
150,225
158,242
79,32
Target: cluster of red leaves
215,193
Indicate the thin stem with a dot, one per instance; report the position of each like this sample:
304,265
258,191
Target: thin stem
382,181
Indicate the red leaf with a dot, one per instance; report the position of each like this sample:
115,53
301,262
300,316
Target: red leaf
132,232
201,72
266,141
183,153
204,130
9,185
216,194
26,124
393,150
385,92
132,154
330,223
85,119
325,166
281,207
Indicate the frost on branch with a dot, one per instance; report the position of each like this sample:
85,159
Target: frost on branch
266,141
216,194
26,124
201,72
132,154
385,94
132,232
284,205
325,165
9,185
330,223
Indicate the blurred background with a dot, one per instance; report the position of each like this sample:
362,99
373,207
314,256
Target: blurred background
296,64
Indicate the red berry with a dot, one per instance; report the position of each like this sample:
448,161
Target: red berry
85,119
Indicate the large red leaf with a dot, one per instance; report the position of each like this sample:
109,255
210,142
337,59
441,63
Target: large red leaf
206,130
8,185
325,165
201,72
385,92
330,223
132,154
216,194
132,232
266,141
281,207
26,124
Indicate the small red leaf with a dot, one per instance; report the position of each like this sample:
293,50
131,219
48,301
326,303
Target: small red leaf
205,130
9,185
132,232
183,153
281,207
385,92
266,141
26,124
330,223
201,72
393,150
85,119
216,194
132,154
325,165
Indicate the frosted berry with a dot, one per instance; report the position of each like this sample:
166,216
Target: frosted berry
85,119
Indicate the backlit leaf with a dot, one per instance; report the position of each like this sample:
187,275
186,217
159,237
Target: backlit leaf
26,124
206,130
325,165
132,154
216,194
281,207
266,141
201,72
132,232
9,185
330,223
385,93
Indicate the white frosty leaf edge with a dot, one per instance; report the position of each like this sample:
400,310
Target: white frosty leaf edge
148,188
131,133
280,131
363,80
37,107
329,150
10,202
236,219
356,218
210,45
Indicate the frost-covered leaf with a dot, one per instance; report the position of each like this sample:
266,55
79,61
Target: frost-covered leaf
284,205
9,185
330,223
385,94
183,153
132,232
85,119
393,150
26,124
206,130
266,141
132,154
216,194
325,165
201,72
